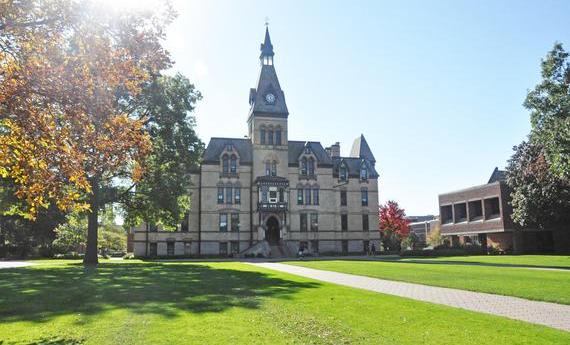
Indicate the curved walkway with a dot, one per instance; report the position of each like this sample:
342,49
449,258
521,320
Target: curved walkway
542,313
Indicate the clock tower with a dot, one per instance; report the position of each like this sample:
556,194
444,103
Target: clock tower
267,123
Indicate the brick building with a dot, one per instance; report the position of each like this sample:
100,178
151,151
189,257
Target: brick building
482,215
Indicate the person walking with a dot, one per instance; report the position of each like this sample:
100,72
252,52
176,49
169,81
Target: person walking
373,249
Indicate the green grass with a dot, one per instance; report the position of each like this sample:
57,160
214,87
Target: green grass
227,303
545,261
541,285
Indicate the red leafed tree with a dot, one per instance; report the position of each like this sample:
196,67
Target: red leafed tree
393,225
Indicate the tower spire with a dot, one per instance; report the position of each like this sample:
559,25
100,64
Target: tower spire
267,53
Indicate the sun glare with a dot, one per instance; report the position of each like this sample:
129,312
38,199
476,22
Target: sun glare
126,5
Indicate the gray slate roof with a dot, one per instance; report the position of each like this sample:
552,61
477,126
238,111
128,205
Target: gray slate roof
498,175
353,166
268,83
296,148
360,149
217,145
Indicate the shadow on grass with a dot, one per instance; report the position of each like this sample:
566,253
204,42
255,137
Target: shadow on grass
39,294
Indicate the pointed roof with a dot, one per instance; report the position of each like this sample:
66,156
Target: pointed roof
266,46
497,175
268,84
360,149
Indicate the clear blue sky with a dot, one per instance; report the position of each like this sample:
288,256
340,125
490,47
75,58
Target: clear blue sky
436,87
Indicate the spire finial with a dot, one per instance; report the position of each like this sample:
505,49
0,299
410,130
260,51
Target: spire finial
266,22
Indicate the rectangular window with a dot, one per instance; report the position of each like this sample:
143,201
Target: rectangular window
233,165
262,136
270,137
281,195
184,223
364,195
235,222
170,248
365,223
344,222
263,196
345,247
223,222
237,195
229,195
153,249
223,248
342,198
299,197
366,246
278,137
220,195
315,196
267,169
303,221
234,247
314,222
307,196
315,246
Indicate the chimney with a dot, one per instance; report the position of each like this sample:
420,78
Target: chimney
334,150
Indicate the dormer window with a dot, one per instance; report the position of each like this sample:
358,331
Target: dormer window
304,166
225,164
229,147
342,173
268,60
307,150
363,172
311,169
233,164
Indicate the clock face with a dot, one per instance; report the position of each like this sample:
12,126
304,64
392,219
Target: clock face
270,98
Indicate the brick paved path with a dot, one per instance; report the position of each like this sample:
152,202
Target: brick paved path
542,313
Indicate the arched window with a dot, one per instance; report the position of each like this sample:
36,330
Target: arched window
233,164
311,167
274,168
270,137
342,173
225,164
262,136
304,166
363,172
267,168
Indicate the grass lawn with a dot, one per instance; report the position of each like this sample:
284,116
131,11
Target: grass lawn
545,261
227,303
541,285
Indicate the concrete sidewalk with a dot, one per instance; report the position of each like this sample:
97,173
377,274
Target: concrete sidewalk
542,313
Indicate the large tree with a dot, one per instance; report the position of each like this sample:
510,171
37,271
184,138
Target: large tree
393,225
540,198
162,194
68,70
549,104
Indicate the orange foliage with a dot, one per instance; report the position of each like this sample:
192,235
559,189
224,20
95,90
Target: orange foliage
67,71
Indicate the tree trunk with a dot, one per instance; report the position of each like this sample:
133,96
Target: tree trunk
90,258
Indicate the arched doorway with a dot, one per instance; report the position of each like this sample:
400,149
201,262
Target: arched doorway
272,230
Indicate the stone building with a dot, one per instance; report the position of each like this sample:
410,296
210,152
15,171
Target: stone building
272,196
